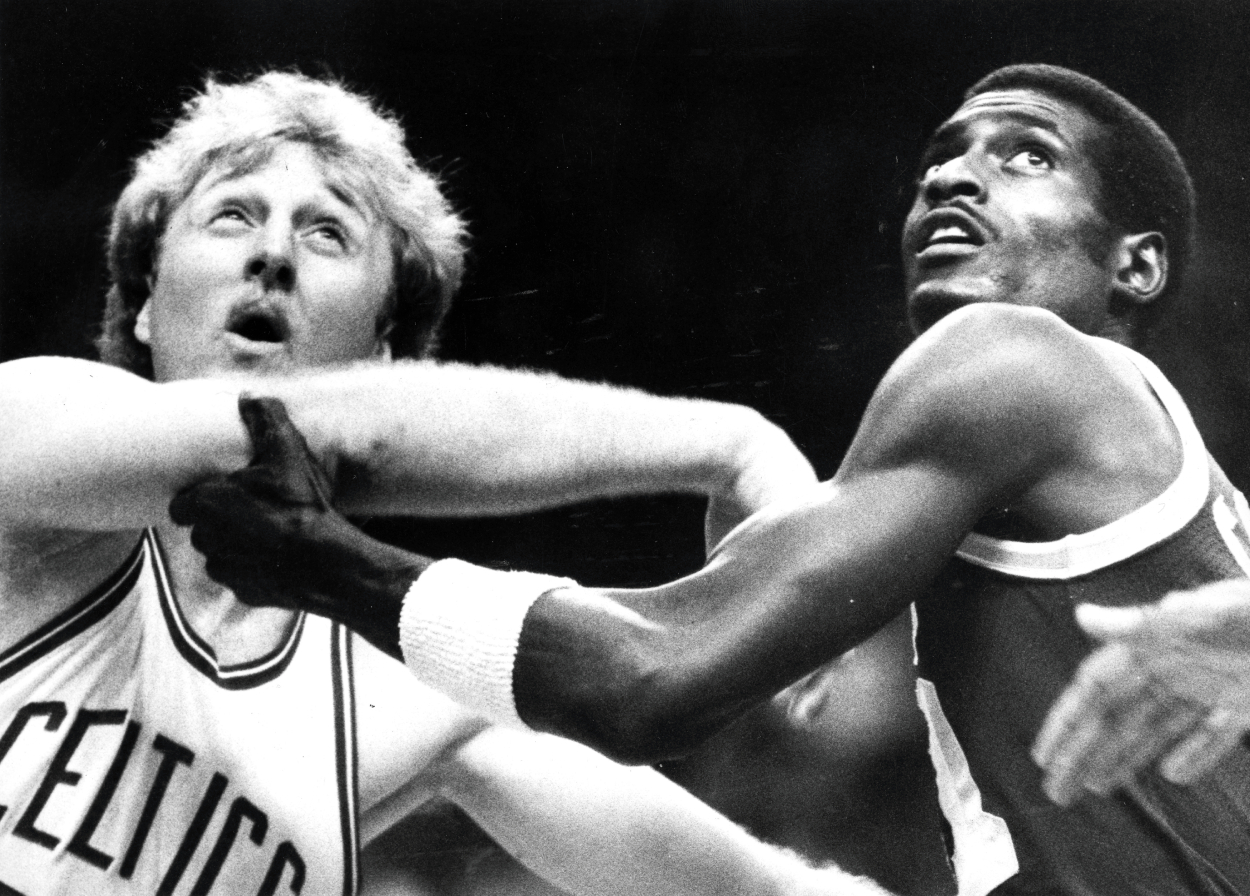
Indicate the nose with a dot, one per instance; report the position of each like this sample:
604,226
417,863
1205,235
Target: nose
953,178
271,264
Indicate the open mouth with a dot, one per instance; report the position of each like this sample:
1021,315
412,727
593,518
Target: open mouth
261,325
948,227
951,234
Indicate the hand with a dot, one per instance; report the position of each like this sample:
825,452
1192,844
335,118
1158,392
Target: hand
769,469
268,532
1171,686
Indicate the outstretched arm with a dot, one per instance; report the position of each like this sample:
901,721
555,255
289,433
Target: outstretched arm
1170,686
87,446
646,674
593,827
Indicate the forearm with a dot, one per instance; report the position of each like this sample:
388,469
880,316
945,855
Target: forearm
593,827
648,675
458,440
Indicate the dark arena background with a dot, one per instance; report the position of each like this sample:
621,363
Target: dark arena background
695,197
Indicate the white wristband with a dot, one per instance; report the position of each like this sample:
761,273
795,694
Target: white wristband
459,630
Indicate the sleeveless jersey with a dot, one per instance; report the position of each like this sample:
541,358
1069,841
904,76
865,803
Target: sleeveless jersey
131,762
997,642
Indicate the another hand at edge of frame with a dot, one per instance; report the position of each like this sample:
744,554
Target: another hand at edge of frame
1170,687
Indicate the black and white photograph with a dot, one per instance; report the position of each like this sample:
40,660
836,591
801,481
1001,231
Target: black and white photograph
624,448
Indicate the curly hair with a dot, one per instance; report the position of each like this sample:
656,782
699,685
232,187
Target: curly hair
238,126
1145,185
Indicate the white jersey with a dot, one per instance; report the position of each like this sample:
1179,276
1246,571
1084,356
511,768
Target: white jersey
131,762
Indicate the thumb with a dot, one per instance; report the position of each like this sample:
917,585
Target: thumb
1105,623
280,450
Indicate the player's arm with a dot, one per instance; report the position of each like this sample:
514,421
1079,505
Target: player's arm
431,439
567,813
967,421
593,827
90,447
86,446
649,673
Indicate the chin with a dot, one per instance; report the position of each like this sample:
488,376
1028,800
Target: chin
923,311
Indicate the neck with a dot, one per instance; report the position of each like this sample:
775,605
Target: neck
235,631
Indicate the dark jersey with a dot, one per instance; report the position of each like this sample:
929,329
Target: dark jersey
997,642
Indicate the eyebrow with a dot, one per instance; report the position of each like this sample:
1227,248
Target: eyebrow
950,129
343,195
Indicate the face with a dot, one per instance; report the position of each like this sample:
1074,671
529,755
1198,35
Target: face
1006,210
272,270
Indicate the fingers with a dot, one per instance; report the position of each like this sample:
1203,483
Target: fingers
1105,623
282,463
223,516
1217,735
1112,722
1104,679
1131,744
204,502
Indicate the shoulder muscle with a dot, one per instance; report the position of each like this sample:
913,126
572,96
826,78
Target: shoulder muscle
992,391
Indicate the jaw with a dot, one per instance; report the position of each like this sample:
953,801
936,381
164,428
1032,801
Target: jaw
934,297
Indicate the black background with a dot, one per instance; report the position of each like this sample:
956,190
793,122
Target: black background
697,197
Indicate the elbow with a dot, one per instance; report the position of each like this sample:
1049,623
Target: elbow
653,711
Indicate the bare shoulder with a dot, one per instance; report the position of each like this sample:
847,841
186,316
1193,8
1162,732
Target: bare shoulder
407,737
989,371
45,568
24,378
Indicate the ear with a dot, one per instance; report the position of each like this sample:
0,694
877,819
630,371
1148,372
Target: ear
143,324
383,348
1141,268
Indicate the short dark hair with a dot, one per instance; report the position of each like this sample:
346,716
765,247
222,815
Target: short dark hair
1145,185
238,126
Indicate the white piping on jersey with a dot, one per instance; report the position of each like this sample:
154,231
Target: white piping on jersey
1081,554
193,642
1226,522
984,854
346,752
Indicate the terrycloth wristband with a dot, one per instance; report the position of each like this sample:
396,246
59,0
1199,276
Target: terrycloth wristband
459,629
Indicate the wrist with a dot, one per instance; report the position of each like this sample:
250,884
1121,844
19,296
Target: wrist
459,630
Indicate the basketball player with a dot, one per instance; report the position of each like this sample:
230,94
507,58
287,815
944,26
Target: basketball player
1018,458
159,737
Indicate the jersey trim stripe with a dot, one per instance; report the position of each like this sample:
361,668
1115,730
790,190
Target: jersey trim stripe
345,750
1081,554
200,655
984,854
84,613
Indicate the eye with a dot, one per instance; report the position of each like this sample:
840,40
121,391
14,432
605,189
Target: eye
229,214
329,232
1031,158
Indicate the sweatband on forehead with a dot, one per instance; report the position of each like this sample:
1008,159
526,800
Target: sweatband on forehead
459,630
